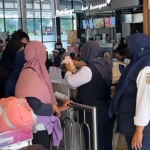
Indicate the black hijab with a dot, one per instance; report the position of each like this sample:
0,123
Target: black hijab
10,52
92,54
122,45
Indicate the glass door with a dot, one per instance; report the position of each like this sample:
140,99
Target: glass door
67,23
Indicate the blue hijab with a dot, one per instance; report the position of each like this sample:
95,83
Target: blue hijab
140,59
17,67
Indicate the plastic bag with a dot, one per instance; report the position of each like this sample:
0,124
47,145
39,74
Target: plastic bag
55,73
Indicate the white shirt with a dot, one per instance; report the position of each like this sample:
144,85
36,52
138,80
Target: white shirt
83,76
142,116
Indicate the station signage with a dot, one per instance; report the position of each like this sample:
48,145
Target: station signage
100,6
64,12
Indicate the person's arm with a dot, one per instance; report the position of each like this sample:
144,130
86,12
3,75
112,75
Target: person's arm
142,115
81,77
40,108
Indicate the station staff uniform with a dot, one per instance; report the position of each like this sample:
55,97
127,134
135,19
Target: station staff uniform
132,95
93,89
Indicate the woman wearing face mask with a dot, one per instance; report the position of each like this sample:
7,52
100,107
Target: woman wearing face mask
132,95
6,63
93,83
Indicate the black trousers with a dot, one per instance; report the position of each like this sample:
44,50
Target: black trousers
145,143
105,127
42,138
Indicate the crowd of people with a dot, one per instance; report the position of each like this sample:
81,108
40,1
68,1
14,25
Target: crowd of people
24,74
24,69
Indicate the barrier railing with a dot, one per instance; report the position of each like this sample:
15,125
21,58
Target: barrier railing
85,109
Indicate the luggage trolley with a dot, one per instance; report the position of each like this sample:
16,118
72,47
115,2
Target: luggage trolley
17,139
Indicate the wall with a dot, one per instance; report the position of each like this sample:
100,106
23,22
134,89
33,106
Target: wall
126,29
108,31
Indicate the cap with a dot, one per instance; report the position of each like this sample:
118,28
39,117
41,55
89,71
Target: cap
56,50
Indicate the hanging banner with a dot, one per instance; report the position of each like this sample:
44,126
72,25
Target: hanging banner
72,37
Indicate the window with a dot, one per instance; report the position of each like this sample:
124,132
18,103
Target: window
77,5
12,25
67,23
1,25
41,23
10,19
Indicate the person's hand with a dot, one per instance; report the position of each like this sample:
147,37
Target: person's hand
68,67
79,64
137,140
56,109
65,106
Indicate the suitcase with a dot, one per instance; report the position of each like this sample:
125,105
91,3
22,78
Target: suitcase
17,139
34,147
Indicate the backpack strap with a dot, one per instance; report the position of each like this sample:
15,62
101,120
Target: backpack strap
30,68
32,113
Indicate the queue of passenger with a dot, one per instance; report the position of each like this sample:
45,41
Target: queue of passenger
24,74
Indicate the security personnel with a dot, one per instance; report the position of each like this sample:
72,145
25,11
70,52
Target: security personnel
132,95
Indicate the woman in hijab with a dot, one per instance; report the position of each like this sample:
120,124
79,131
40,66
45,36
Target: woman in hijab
132,95
6,63
34,84
107,57
122,45
93,83
17,67
17,42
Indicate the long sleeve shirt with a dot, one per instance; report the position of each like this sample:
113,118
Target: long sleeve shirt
83,76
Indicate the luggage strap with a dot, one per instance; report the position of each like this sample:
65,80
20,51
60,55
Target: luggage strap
4,115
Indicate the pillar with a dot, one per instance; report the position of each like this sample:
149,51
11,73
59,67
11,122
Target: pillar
146,14
58,25
53,10
23,14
